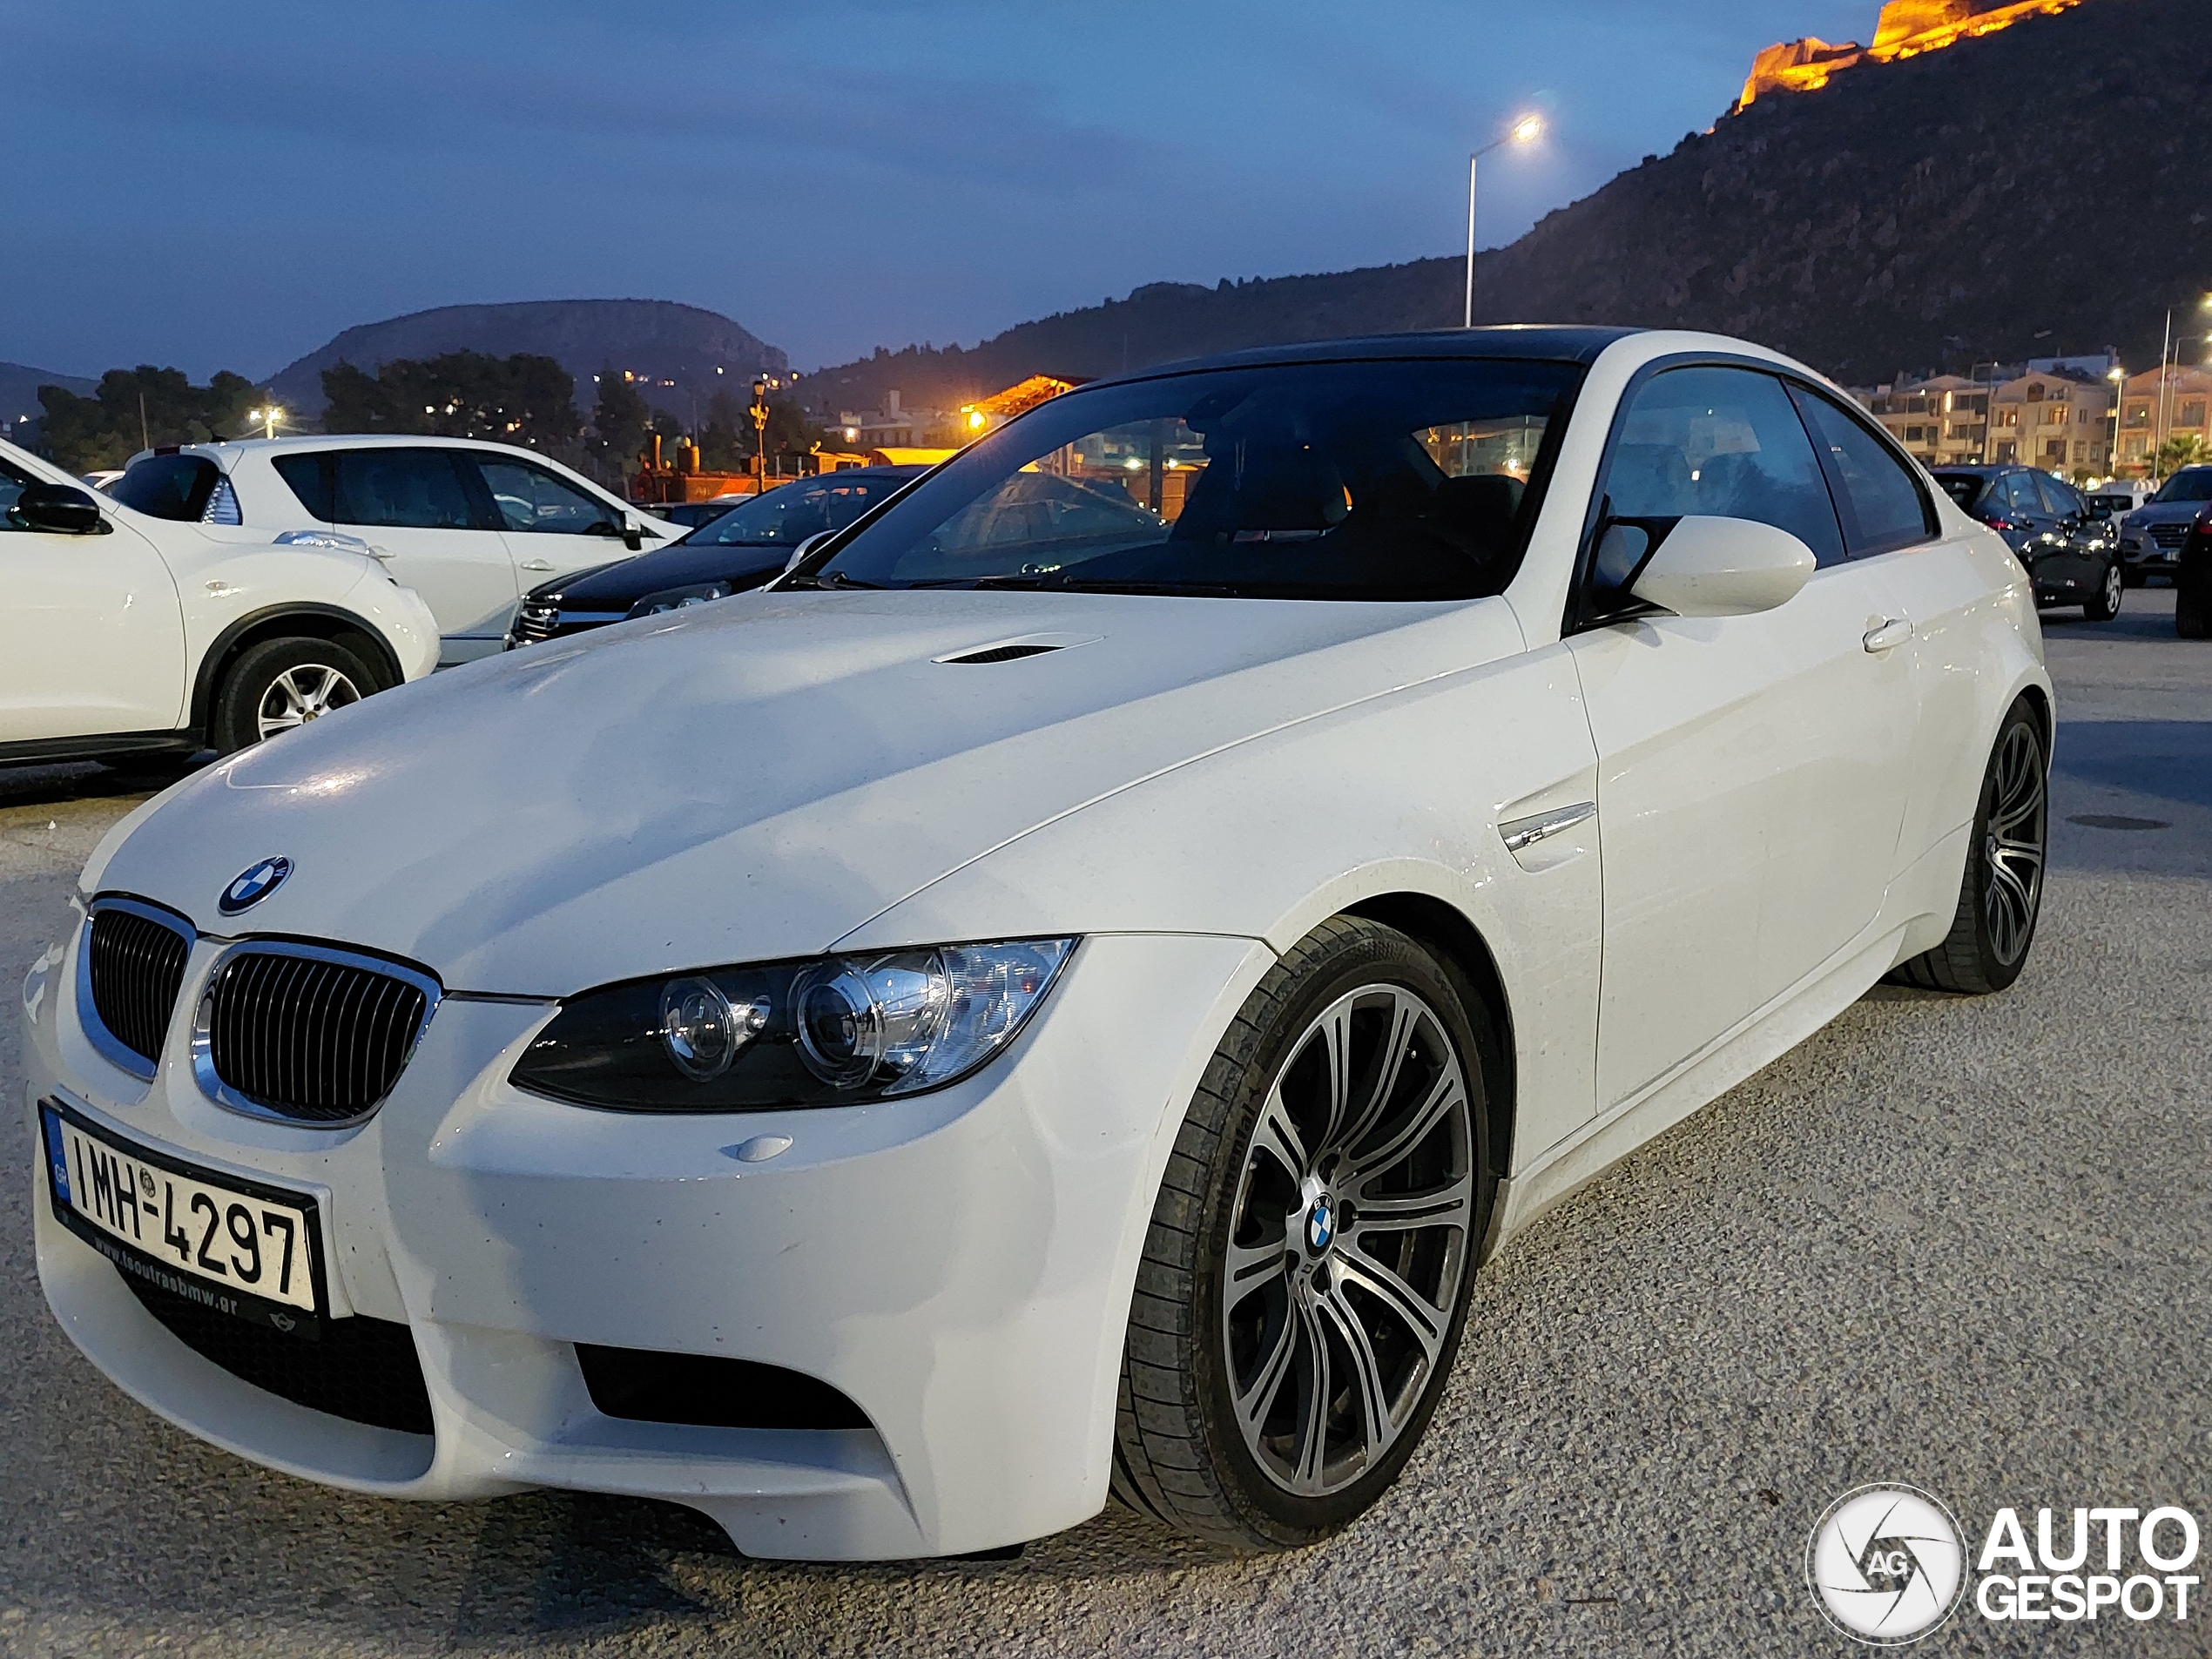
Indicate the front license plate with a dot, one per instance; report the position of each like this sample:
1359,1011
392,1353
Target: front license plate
239,1247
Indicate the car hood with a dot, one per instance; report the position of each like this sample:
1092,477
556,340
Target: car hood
2171,512
618,586
742,781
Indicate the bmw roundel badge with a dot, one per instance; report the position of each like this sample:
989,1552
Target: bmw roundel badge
253,885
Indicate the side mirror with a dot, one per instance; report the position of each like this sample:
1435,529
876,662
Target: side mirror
1723,567
58,507
633,536
806,547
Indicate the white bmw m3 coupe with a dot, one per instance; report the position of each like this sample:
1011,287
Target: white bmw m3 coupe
1056,998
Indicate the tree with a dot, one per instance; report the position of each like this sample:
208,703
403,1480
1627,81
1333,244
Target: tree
135,408
525,399
724,442
2183,449
619,420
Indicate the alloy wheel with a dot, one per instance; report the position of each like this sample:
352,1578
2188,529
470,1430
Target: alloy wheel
1351,1232
302,694
2012,852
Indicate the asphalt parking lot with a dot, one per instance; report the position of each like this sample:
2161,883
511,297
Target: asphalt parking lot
1962,1244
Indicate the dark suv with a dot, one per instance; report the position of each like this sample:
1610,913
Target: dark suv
2071,555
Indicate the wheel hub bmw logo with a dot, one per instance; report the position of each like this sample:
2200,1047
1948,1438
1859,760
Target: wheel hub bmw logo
1320,1226
253,885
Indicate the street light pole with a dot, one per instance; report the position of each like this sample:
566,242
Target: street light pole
2165,384
759,414
1527,130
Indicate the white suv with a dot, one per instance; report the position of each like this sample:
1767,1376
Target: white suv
470,526
122,632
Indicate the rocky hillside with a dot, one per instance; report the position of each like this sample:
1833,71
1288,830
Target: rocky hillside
656,338
2038,192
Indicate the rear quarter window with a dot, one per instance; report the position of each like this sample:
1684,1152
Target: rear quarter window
172,486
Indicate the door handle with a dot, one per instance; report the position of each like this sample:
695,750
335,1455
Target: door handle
1889,636
536,565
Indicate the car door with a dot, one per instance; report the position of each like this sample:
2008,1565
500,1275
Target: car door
91,636
551,526
2077,562
431,523
1750,785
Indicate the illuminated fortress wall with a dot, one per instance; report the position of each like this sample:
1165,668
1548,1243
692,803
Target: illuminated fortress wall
1906,29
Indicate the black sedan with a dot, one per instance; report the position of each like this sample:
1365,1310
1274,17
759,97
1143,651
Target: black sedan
745,547
2071,555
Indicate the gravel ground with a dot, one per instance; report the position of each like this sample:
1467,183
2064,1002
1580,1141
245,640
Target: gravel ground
1959,1243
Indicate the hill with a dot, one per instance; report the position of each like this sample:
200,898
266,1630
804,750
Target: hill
19,387
674,349
2031,193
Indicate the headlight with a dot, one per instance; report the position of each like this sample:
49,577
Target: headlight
832,1031
676,599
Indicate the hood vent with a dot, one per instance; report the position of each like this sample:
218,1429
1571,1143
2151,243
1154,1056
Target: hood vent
1000,654
1010,650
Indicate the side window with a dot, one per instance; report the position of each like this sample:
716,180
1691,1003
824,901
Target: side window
11,485
415,488
2058,499
2019,494
529,498
1722,443
1877,496
313,479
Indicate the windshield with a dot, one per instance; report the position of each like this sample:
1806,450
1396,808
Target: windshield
1325,481
2192,483
1962,487
789,514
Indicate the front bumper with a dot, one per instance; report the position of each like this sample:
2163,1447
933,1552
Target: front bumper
959,1265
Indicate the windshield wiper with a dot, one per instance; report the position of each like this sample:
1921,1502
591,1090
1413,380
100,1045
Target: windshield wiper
833,579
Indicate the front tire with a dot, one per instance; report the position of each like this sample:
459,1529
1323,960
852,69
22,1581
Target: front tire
282,683
1306,1275
2001,895
2193,605
2109,595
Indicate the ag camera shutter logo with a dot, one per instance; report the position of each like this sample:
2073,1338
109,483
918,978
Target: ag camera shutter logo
1886,1564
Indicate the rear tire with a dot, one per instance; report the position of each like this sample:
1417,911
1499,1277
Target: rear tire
2001,894
1306,1276
282,683
2110,589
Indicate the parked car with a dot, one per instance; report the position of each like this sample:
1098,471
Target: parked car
128,635
466,524
741,548
692,513
2151,536
1036,1004
2117,497
2044,520
2193,580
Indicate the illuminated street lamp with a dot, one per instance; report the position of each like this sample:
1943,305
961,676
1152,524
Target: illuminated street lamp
759,414
1526,131
2118,376
266,419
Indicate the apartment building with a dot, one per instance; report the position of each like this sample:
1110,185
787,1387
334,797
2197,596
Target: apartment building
2059,422
2153,412
2053,422
1942,421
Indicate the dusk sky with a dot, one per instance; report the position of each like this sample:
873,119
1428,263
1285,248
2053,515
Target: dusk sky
228,186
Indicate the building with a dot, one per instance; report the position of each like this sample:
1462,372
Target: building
2059,422
1906,29
2053,422
2154,411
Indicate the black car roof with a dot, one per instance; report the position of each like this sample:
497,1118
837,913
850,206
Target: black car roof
1535,342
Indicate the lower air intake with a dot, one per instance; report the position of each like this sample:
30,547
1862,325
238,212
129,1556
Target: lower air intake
710,1393
363,1370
